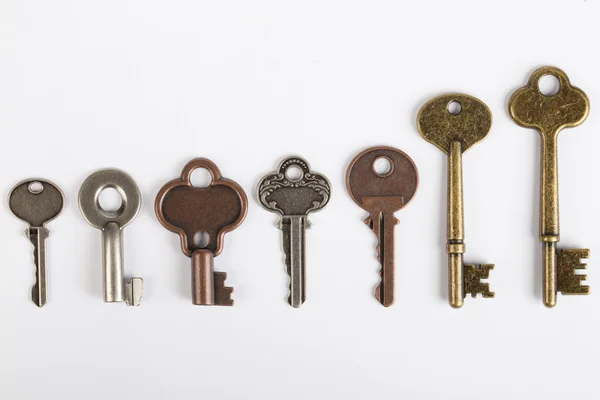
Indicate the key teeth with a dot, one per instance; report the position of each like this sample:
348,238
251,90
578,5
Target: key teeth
568,282
222,292
473,275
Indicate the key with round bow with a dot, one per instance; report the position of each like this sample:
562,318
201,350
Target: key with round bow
382,192
453,123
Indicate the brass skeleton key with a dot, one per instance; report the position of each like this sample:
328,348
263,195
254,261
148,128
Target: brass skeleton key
569,107
454,131
382,194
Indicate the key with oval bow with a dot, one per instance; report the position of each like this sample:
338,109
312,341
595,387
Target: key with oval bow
453,123
37,202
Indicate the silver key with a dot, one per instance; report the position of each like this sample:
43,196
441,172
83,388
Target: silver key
37,202
294,197
112,223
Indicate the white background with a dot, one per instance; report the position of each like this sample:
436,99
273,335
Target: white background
145,86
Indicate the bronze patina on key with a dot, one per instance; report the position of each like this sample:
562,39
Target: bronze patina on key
454,123
549,114
214,210
381,194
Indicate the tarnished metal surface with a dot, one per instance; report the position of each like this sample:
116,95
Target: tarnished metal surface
214,210
454,133
112,223
381,195
549,114
37,202
294,199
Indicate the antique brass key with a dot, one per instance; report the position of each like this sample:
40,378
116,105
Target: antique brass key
569,107
454,123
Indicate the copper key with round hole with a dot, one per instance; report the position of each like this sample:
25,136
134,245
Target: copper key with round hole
549,114
381,194
454,131
214,210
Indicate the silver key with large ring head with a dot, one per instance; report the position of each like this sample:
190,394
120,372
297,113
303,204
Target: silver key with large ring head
111,223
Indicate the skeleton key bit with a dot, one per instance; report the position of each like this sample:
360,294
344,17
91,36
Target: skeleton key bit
548,115
215,210
453,132
381,195
112,223
294,198
37,202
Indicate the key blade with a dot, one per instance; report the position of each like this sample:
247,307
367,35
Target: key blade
37,236
294,247
382,224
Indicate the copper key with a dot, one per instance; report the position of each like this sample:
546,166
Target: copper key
382,194
215,210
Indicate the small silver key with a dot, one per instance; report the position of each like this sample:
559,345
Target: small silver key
111,223
294,197
37,202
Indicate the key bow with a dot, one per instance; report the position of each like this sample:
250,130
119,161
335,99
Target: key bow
311,191
216,209
530,108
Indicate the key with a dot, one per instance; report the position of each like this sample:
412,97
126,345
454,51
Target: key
548,115
37,202
293,198
112,223
191,211
454,131
381,194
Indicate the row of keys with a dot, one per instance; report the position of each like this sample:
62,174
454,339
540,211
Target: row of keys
453,122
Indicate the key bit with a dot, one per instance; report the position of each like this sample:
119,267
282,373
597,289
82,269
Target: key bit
549,114
381,194
454,131
37,202
293,198
214,210
112,224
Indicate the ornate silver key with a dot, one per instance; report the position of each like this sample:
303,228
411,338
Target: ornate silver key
37,202
112,223
294,197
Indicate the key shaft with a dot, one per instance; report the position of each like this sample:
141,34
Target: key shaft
455,245
383,224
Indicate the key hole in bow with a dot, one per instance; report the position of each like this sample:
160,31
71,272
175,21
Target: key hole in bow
201,178
549,85
110,200
294,173
454,108
201,239
36,187
383,166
